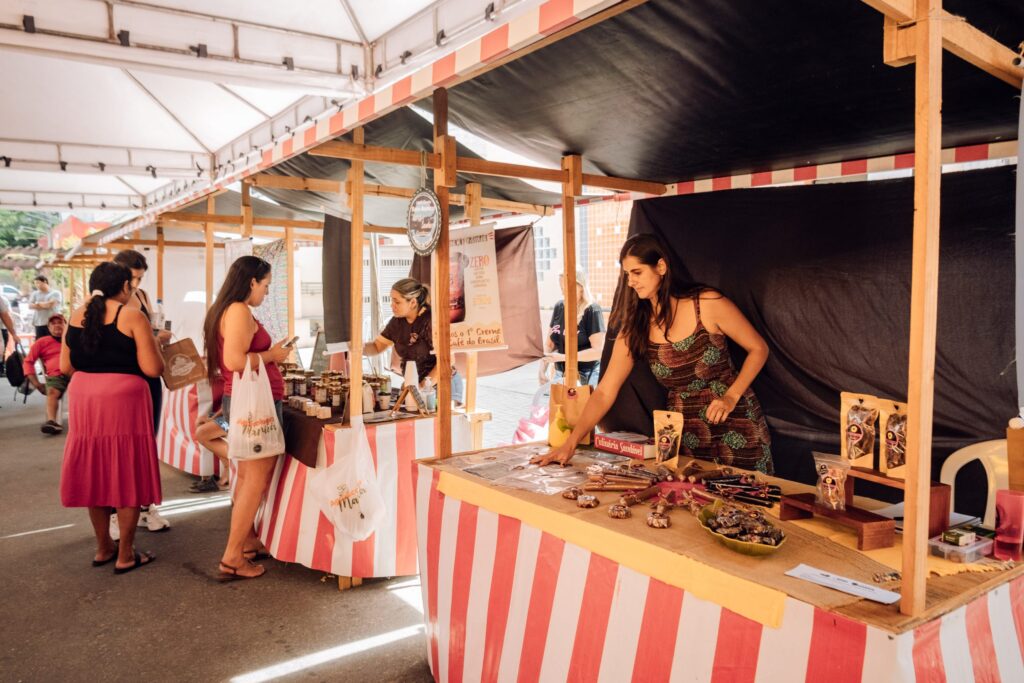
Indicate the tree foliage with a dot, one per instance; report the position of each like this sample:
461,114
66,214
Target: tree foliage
24,228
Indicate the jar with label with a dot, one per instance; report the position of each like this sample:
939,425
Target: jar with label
321,393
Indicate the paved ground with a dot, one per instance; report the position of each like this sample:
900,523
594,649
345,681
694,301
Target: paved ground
66,621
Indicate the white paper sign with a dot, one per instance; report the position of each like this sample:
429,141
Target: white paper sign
844,584
474,308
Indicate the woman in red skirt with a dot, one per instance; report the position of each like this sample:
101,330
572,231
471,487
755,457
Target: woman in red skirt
110,456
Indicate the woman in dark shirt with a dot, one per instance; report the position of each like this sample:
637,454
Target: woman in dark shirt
110,456
409,332
590,335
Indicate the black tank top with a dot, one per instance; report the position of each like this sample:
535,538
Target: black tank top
116,352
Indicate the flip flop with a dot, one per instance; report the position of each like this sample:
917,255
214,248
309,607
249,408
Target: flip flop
233,575
138,563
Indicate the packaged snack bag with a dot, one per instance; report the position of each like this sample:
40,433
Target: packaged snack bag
832,471
857,416
668,431
892,423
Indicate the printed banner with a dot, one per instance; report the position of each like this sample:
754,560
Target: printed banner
474,306
273,312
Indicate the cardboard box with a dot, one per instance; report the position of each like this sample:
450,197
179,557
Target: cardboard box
626,443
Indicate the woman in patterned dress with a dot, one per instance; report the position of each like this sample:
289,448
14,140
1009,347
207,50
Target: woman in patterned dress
681,332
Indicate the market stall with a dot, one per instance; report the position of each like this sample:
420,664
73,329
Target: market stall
175,442
519,585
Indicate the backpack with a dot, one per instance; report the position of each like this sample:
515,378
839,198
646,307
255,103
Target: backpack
14,367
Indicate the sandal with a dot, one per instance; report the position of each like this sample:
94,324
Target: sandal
253,555
100,563
204,486
229,572
137,563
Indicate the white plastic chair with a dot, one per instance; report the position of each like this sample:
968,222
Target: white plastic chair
992,455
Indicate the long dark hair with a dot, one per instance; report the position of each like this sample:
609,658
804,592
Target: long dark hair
632,316
107,280
236,287
131,259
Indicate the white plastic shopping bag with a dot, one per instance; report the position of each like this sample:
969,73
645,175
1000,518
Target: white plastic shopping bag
253,430
347,491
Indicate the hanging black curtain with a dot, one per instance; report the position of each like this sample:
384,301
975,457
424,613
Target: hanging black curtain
823,273
337,257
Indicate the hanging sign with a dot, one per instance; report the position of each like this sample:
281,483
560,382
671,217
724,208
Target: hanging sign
423,222
474,308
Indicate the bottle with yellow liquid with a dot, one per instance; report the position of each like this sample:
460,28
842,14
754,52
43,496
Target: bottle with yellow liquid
558,428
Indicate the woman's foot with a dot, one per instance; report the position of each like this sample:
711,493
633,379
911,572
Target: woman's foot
105,555
139,560
223,484
243,570
256,552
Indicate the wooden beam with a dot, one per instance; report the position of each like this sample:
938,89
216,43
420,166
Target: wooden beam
246,210
289,247
623,184
288,223
160,244
157,243
572,165
978,48
211,210
355,357
441,271
339,149
285,182
497,168
208,217
476,427
958,36
503,205
923,302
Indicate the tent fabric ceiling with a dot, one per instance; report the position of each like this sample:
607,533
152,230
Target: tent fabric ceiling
403,129
674,90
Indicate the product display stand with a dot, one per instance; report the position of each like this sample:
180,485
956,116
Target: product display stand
873,531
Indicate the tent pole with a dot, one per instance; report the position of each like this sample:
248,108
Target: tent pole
247,221
289,247
355,356
923,301
208,234
473,206
571,188
444,178
85,285
160,262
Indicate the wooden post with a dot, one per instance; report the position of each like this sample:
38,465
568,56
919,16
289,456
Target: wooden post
159,262
289,247
85,285
246,210
923,301
208,233
571,188
444,177
473,210
355,357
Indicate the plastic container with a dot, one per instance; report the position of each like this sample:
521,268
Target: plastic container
957,553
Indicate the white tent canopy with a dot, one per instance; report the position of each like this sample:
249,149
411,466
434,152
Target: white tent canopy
119,104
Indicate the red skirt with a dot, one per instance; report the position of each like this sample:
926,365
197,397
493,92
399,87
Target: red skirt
110,455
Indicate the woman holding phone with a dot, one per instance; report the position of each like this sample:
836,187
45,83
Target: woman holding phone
235,340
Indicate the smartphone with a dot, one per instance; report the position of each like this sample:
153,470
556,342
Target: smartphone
290,343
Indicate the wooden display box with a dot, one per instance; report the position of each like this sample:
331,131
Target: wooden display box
873,531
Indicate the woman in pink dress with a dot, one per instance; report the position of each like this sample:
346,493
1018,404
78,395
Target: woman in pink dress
110,456
234,340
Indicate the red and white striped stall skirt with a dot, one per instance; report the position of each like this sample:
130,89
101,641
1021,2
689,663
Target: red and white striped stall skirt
294,530
176,440
504,601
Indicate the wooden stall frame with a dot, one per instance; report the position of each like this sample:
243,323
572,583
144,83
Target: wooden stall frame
914,31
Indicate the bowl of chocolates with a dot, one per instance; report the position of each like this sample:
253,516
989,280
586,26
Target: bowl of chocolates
740,528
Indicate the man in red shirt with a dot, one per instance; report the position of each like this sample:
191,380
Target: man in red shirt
47,349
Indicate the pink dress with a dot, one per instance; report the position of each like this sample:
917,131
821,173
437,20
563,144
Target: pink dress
110,455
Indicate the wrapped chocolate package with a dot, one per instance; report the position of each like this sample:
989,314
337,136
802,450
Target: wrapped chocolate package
668,430
832,471
892,421
858,414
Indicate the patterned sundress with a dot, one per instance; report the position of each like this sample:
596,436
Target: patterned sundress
696,370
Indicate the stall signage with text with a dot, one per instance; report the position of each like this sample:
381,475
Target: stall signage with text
474,307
